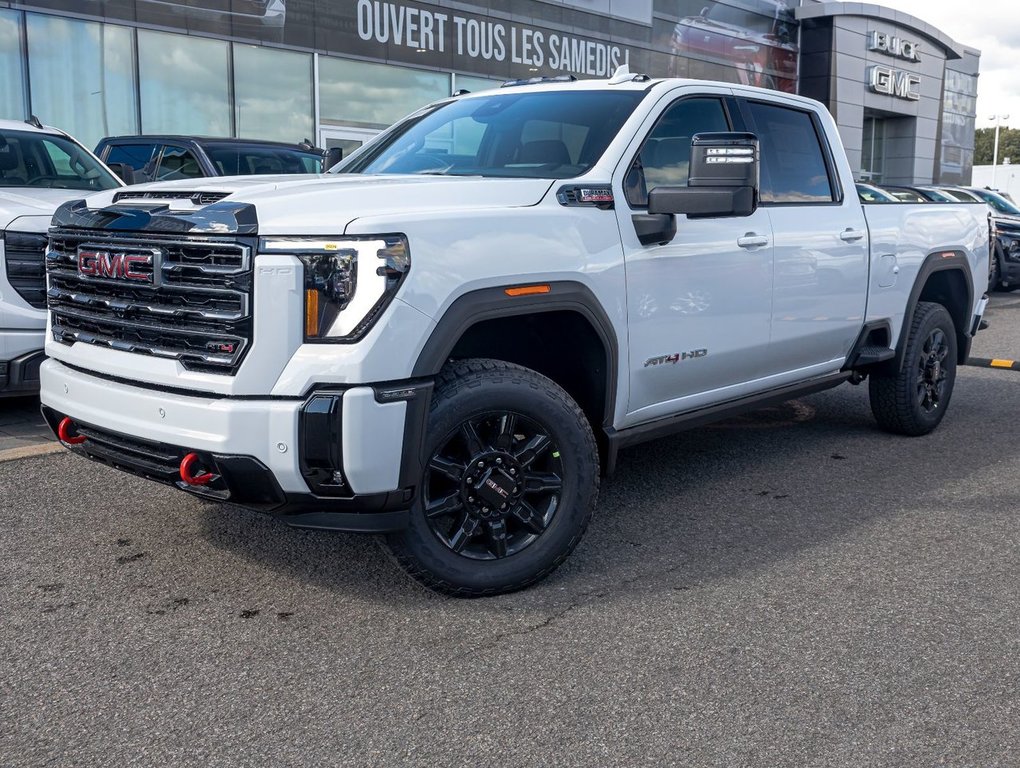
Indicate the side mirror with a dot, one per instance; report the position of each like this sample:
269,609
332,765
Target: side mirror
723,180
124,171
333,156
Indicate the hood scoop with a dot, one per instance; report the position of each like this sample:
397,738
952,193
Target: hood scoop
196,198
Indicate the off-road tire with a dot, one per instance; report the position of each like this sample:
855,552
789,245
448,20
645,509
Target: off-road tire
471,389
901,401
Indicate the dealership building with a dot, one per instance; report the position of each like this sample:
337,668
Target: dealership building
337,71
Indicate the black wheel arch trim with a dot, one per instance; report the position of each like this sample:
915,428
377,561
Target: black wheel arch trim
492,303
934,263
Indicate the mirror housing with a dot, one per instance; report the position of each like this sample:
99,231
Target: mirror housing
723,180
333,156
124,171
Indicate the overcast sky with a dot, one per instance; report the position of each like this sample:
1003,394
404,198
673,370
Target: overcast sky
991,26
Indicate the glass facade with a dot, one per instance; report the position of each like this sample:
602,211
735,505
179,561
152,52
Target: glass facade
369,95
273,94
959,111
185,84
99,99
338,72
12,70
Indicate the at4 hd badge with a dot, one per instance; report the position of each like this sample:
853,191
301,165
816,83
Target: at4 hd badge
676,357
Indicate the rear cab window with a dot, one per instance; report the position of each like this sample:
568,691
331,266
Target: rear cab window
795,168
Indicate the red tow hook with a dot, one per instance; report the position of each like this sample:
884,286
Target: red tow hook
188,467
67,434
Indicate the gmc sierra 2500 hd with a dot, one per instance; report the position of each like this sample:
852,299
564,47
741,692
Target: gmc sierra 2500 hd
449,340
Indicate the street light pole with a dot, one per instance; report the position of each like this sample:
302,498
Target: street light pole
995,151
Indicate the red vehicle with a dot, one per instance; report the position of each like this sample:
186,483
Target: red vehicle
760,41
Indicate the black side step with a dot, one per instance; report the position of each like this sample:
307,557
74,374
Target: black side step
866,356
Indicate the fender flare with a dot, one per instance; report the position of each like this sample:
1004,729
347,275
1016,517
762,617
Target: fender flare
933,263
491,303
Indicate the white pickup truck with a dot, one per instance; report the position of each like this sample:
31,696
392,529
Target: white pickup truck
449,338
40,168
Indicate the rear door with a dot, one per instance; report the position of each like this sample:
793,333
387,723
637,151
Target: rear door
820,240
699,307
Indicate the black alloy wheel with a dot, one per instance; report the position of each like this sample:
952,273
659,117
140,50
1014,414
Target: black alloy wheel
932,370
509,482
493,486
913,399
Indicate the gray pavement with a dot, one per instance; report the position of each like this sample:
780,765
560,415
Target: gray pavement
791,588
21,424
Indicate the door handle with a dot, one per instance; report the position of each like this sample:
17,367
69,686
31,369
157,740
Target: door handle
850,235
752,240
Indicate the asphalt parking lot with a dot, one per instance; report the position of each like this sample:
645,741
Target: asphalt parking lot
792,588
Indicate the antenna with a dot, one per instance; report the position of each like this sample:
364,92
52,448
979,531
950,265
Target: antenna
34,121
624,75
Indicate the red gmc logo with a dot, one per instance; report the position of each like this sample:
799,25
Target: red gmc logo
117,265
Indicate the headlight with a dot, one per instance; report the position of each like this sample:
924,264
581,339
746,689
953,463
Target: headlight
348,280
1009,242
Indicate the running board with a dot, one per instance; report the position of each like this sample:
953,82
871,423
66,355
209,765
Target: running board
653,430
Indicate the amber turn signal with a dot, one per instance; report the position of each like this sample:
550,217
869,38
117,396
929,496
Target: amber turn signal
527,290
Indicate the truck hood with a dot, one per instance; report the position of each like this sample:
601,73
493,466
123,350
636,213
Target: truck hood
16,202
327,203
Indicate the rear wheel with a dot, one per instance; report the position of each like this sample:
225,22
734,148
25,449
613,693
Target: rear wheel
914,400
511,477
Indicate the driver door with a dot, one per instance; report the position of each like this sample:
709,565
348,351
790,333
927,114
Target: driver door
700,306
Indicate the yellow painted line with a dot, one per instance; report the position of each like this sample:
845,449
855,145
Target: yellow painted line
1002,363
12,454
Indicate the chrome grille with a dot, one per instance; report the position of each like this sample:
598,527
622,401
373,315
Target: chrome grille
197,309
26,270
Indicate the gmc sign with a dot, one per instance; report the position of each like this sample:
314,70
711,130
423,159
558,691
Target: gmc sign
139,266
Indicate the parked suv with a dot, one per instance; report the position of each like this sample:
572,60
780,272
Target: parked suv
165,158
1005,272
40,168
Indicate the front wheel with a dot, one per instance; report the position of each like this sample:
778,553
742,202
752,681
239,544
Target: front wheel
913,400
994,272
510,482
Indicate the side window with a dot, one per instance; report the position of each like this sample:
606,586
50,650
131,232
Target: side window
664,159
793,163
177,163
141,157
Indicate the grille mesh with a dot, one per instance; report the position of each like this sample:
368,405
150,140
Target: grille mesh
197,311
26,269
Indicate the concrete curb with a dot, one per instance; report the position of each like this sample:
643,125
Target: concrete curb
12,454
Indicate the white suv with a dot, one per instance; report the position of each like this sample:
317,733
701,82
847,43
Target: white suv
40,168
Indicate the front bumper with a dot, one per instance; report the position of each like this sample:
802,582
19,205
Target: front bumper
265,454
20,376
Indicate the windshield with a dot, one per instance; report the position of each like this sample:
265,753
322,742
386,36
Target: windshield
961,196
938,197
998,202
869,194
33,159
550,135
246,161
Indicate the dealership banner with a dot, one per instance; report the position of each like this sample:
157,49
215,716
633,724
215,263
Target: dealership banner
750,41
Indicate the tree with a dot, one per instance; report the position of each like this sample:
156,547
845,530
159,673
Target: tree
1009,145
